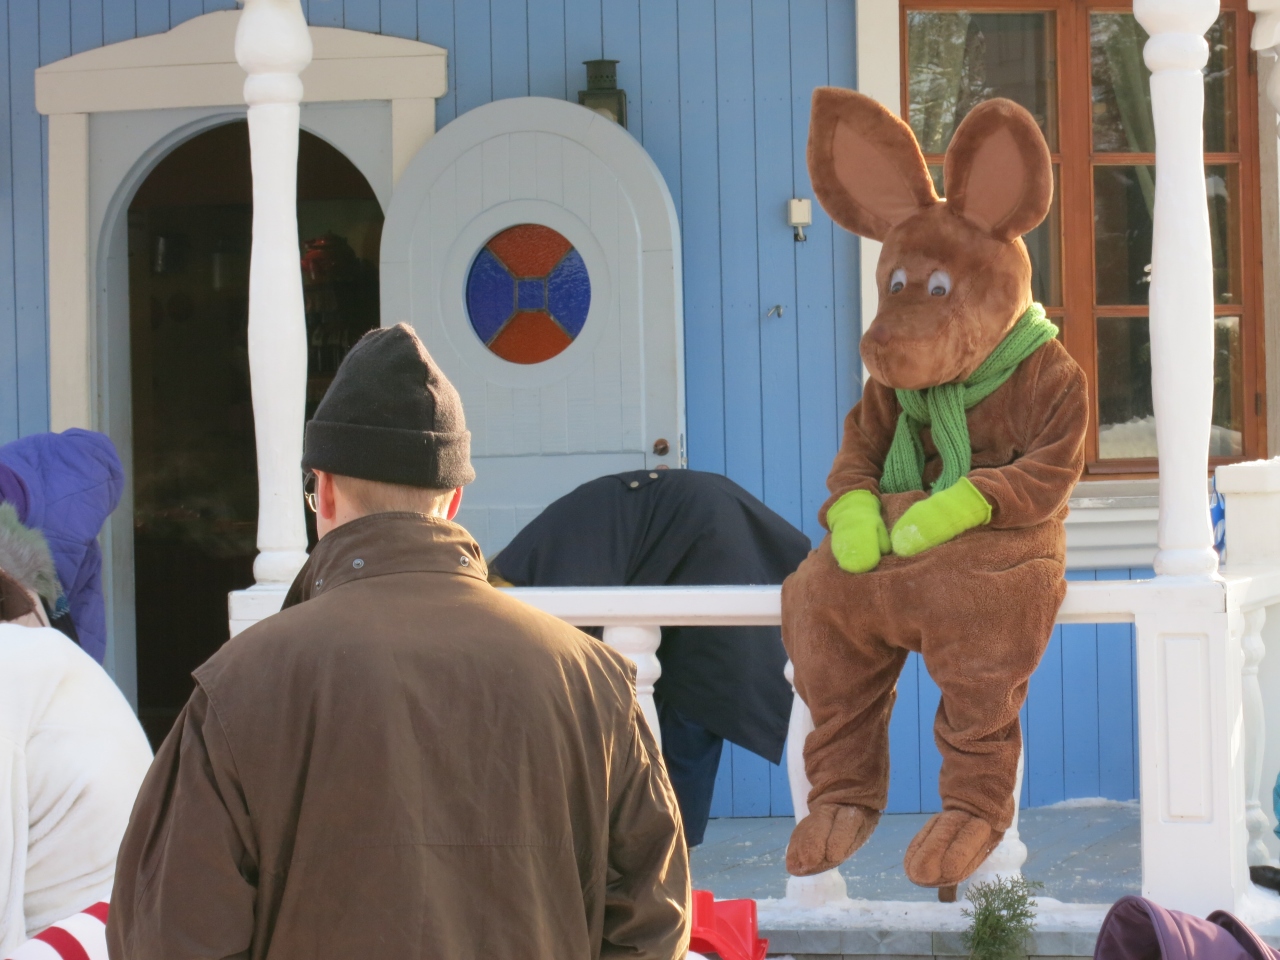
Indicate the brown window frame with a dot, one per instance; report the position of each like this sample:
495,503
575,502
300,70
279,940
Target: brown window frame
1078,316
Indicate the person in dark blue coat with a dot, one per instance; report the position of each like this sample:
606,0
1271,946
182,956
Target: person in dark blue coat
65,485
679,527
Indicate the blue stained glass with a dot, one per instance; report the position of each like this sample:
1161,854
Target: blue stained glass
569,293
531,294
491,295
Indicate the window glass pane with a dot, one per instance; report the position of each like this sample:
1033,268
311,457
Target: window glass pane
1126,418
957,59
1222,183
1122,85
1220,119
1044,246
1226,436
1123,200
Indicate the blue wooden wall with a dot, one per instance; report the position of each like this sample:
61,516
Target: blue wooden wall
718,93
1080,729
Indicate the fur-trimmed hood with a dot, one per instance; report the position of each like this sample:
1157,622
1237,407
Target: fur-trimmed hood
26,570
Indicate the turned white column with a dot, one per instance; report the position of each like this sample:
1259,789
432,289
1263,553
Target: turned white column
274,47
829,886
640,646
1266,36
1007,859
1255,729
1181,282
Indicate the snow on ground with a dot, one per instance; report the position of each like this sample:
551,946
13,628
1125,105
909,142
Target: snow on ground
1081,803
1051,915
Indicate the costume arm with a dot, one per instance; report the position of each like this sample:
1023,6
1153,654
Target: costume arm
186,877
646,911
1037,485
868,433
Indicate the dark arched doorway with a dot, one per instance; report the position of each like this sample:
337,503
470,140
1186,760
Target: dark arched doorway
194,466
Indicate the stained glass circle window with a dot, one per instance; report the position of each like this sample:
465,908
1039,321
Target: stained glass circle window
527,294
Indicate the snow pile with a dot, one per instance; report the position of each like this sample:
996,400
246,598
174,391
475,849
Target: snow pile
926,915
1081,803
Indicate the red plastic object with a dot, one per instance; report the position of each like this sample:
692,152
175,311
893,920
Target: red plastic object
726,928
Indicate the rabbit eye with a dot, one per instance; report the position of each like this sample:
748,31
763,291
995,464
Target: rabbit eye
897,280
939,283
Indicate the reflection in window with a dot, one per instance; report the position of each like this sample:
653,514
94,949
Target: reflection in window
959,59
1126,416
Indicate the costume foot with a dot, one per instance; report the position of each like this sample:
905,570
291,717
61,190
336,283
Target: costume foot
827,837
951,846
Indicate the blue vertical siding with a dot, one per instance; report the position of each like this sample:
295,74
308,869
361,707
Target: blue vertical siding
1079,727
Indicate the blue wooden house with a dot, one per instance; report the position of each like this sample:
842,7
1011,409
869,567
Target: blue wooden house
125,187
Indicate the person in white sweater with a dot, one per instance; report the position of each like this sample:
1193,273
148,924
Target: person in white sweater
72,756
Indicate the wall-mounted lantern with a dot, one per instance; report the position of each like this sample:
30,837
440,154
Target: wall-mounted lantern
602,94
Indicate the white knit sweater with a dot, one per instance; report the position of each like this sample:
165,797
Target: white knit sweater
72,757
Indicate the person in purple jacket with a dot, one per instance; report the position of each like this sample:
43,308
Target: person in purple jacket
66,485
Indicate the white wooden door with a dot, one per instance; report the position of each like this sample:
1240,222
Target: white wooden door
563,211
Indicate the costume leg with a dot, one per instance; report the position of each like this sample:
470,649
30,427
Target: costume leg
981,655
692,753
982,660
846,674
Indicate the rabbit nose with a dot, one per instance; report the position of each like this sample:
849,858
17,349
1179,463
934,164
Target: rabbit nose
879,334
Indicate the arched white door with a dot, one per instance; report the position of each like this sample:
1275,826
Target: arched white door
534,247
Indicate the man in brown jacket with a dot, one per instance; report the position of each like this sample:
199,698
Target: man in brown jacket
404,763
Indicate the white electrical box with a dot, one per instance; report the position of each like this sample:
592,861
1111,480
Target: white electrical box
799,213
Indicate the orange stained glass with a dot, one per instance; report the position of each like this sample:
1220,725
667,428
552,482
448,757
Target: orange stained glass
530,249
530,337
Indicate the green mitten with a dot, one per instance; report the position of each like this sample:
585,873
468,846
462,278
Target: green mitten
942,517
858,534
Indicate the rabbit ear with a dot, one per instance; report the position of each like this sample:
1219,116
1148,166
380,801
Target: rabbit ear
998,174
866,168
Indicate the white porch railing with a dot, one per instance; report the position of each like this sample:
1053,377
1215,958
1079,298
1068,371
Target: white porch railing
1200,827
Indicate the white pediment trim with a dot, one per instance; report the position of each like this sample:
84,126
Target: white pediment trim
194,65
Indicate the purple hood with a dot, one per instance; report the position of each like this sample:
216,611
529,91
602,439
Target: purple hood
66,485
1137,929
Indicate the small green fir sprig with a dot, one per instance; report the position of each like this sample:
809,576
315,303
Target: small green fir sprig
1001,915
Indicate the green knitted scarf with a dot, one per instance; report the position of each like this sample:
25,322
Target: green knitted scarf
943,408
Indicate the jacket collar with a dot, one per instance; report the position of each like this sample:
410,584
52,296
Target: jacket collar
387,543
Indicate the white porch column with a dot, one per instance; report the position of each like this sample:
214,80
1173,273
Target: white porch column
639,644
273,46
1266,36
1181,282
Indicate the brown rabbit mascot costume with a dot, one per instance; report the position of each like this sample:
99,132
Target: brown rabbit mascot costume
950,488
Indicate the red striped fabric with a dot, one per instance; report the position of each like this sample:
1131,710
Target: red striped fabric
68,947
99,911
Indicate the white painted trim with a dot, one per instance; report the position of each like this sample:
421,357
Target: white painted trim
879,76
194,65
191,66
71,390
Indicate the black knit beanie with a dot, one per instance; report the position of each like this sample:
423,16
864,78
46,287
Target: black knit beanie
392,416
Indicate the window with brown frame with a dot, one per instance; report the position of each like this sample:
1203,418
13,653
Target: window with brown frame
1077,66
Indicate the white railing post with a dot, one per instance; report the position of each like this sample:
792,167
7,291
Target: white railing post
1255,731
1181,322
829,886
640,646
1006,860
1266,36
273,46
